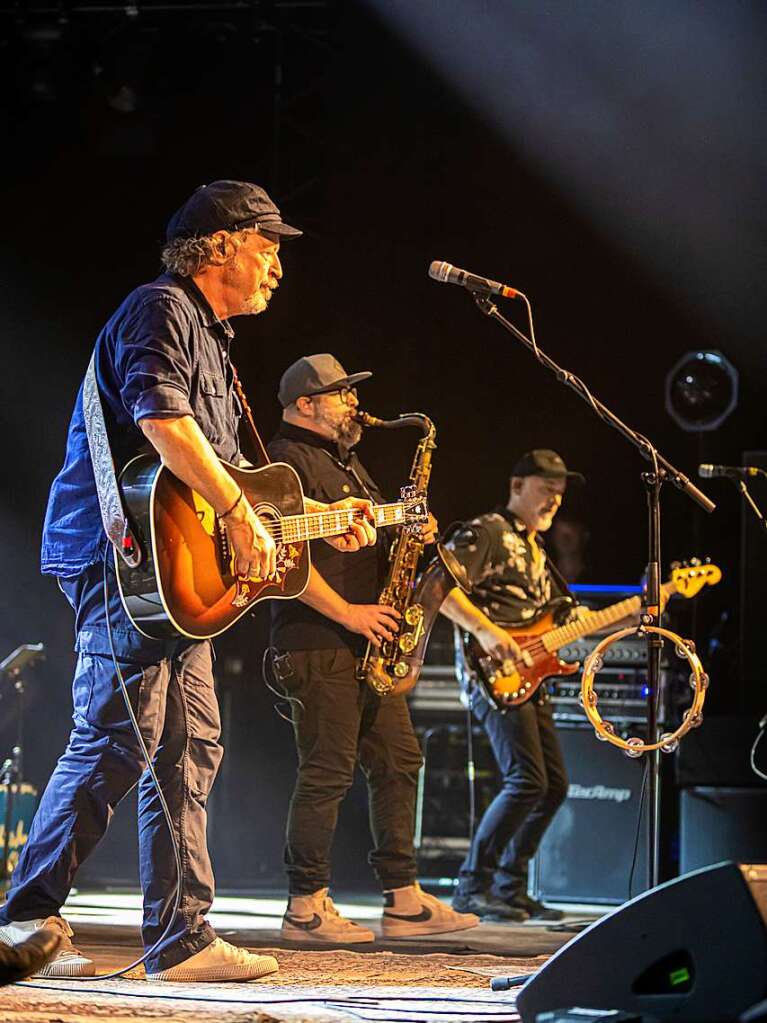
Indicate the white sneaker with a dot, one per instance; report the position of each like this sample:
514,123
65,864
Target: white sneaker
314,918
67,962
219,961
409,912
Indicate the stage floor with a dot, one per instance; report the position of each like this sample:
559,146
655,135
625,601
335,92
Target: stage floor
442,977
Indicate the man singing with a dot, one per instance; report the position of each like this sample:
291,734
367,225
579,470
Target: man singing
165,380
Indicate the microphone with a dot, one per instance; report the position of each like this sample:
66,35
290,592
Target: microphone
449,274
708,472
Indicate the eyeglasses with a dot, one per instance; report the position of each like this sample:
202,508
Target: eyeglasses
344,393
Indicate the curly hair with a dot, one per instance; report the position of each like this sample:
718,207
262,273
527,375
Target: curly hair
187,256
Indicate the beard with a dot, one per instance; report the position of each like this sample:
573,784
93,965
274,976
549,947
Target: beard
344,430
349,433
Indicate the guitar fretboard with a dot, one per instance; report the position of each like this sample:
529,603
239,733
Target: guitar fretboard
592,621
313,526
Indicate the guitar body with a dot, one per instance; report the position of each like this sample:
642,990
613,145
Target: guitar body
185,584
510,684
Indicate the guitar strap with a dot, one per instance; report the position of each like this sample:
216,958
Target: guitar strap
560,580
113,515
262,458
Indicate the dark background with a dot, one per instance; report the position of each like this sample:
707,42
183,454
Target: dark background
388,161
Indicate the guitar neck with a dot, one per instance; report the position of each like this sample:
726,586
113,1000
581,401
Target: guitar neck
315,525
593,621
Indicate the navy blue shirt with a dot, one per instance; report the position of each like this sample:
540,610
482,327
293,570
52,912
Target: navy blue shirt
164,353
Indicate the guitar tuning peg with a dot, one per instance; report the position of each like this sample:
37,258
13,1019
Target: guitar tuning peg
675,565
695,561
707,561
685,563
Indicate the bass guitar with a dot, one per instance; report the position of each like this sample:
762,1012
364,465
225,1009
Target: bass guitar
185,583
511,683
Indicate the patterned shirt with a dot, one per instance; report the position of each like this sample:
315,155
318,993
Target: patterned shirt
508,570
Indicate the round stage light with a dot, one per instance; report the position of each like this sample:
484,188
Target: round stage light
701,390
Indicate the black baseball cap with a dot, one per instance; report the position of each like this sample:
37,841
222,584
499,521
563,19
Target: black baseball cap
546,463
228,206
315,374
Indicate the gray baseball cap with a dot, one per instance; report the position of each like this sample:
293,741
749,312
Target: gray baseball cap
315,374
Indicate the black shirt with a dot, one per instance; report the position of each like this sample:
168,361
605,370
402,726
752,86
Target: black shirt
326,475
510,574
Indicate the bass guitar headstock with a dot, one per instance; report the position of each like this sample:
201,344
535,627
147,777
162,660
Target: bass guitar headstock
689,577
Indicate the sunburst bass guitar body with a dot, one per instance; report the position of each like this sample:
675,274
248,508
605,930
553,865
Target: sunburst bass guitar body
511,683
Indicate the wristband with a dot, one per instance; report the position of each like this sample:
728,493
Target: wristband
229,511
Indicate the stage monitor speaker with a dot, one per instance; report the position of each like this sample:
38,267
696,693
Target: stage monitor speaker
718,823
694,948
586,853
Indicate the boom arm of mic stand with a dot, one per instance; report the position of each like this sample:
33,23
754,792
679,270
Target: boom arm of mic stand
643,445
740,484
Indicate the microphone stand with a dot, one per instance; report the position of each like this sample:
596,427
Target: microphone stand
662,471
12,668
741,485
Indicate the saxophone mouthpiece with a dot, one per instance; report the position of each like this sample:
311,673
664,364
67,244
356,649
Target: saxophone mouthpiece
365,419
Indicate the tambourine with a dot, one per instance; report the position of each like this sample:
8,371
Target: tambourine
605,730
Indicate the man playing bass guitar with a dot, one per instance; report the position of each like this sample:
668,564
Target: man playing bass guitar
512,580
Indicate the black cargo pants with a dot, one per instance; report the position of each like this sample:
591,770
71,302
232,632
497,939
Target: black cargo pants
338,723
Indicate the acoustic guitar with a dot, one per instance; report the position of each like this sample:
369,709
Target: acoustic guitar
185,583
511,683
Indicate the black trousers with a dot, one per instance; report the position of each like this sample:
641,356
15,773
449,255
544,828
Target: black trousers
341,722
533,786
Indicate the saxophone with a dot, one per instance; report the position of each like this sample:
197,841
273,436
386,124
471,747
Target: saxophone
394,666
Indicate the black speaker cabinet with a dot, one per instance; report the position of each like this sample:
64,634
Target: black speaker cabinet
586,853
718,823
694,948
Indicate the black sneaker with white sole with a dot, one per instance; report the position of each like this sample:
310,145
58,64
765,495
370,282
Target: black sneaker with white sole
489,907
535,910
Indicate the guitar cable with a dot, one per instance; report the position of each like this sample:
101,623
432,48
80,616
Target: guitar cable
471,773
150,767
269,667
757,740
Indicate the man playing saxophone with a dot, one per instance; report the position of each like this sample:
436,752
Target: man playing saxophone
339,721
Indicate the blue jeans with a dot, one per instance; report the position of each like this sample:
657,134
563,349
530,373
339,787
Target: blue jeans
533,787
170,684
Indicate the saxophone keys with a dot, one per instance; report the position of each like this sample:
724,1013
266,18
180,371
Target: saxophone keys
407,643
401,669
414,614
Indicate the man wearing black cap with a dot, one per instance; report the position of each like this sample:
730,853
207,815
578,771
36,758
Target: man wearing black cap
164,377
339,721
512,579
